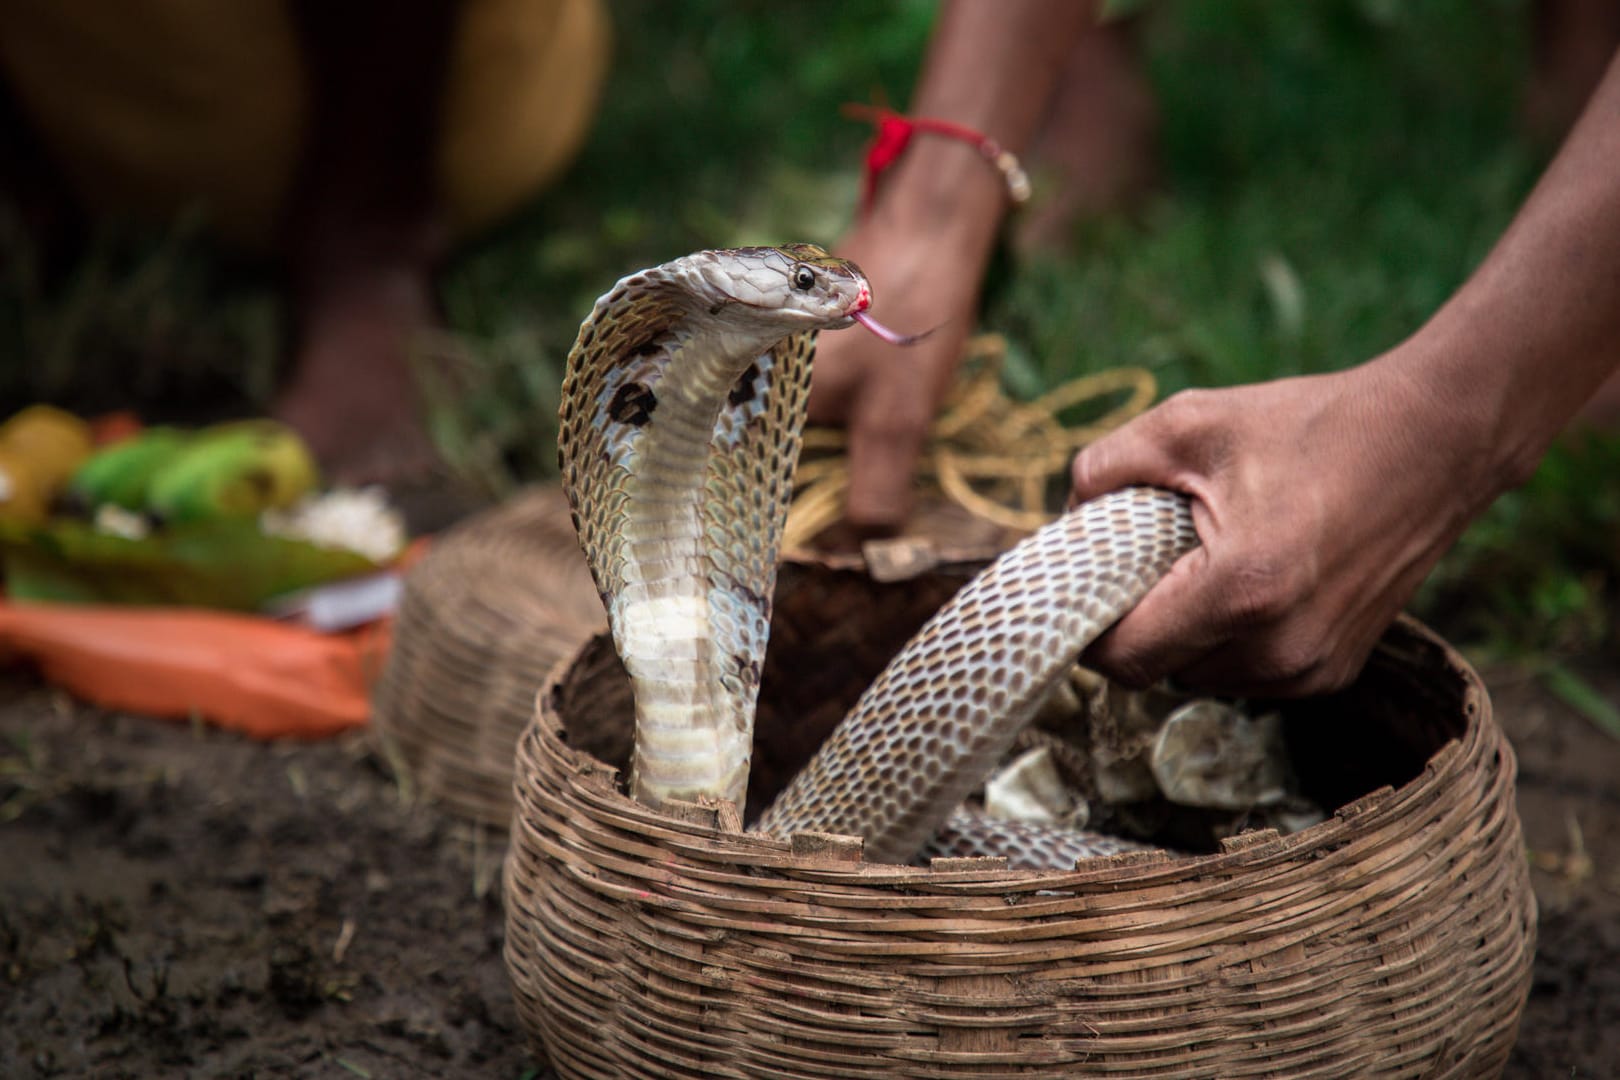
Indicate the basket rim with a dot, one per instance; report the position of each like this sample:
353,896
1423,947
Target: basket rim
699,832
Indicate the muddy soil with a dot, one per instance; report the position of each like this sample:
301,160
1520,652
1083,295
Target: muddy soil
180,902
183,902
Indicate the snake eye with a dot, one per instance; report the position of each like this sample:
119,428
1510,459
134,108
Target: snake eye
804,279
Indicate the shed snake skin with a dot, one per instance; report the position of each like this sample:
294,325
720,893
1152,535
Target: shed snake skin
682,412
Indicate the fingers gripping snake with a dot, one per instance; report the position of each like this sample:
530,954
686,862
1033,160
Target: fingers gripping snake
680,425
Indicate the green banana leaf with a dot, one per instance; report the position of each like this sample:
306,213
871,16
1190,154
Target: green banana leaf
216,564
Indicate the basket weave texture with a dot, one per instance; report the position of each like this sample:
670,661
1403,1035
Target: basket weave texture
1394,939
484,618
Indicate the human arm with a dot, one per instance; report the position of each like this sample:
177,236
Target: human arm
928,239
1322,502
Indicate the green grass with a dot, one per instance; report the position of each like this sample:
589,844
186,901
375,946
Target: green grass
1332,172
1331,179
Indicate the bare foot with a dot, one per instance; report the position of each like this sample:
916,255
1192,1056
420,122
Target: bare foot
352,392
1098,147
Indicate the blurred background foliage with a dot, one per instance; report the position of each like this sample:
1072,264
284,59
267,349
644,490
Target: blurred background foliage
1331,172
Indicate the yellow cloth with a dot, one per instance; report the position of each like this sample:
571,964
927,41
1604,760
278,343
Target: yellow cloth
151,106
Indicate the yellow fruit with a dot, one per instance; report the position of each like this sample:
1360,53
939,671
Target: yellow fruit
52,442
21,498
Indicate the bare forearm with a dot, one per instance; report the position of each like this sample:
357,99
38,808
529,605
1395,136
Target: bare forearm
1536,330
991,66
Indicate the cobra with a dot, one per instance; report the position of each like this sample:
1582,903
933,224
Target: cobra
682,412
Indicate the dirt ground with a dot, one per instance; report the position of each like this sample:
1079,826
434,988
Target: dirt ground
180,902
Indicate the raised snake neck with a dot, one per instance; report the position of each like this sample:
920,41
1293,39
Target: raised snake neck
682,410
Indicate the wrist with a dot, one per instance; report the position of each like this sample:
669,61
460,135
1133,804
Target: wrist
1462,397
944,192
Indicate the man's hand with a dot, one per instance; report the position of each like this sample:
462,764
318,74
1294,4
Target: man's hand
887,395
927,240
1322,502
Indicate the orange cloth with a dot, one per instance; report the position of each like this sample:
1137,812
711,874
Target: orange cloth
244,673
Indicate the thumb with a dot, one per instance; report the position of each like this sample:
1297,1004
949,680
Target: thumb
1134,454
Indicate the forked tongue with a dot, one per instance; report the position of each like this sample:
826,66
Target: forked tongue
893,337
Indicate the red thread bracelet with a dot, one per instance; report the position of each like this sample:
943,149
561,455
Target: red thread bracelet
893,134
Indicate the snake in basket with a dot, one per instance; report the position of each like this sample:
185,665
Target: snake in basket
682,416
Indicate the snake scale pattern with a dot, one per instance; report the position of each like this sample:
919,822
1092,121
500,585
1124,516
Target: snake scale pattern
682,412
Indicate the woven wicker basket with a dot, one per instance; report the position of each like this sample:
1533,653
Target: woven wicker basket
485,616
1394,939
